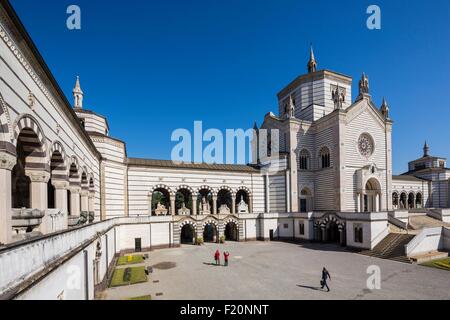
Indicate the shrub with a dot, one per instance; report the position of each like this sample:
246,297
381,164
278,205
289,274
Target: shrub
199,241
222,239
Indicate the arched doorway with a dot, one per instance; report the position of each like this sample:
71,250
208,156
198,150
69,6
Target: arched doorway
332,232
187,234
210,233
231,232
242,201
372,196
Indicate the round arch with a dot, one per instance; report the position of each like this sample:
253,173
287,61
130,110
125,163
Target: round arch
306,200
403,200
6,137
372,195
205,195
225,197
395,200
160,199
210,231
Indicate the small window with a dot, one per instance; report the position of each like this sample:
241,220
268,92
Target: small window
358,234
286,226
304,160
324,158
301,227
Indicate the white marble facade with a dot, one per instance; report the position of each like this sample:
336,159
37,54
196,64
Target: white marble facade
335,159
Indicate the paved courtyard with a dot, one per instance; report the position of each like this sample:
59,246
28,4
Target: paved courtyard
280,271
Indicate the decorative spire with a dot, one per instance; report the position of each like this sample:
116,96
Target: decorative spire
78,94
385,109
364,86
312,64
426,150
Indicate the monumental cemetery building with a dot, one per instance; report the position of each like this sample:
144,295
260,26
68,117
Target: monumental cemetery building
70,193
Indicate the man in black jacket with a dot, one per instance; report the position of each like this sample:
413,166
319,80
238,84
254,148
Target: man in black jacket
325,277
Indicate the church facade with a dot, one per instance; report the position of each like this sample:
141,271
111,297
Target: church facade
60,169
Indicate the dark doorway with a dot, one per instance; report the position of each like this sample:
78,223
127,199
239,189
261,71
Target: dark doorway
303,205
210,233
188,234
271,237
50,195
138,245
231,232
333,232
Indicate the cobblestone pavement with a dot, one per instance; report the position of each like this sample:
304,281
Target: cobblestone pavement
280,271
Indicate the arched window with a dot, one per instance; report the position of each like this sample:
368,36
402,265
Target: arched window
304,160
324,158
395,199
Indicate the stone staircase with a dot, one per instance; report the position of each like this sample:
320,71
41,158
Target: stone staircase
392,247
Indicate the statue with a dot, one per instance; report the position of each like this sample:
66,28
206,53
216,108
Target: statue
205,207
183,211
224,209
161,209
242,206
338,96
364,85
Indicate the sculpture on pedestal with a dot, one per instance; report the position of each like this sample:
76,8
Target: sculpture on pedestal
161,209
183,211
205,208
242,206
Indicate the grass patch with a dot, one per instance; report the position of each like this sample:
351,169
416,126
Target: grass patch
148,297
440,264
128,276
130,260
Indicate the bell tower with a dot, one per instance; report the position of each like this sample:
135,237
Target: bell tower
77,95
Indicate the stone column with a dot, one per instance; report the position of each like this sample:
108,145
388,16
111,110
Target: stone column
172,205
250,204
233,203
358,202
150,196
214,205
362,202
84,194
267,195
324,234
38,196
376,205
61,187
91,200
194,205
75,201
7,163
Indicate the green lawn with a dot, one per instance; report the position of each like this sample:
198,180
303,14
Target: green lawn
137,276
130,260
440,264
149,297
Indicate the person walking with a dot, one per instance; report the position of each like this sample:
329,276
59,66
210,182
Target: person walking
217,257
226,255
325,276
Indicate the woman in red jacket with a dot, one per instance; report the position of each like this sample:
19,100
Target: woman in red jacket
217,257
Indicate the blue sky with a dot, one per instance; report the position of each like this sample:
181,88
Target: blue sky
154,66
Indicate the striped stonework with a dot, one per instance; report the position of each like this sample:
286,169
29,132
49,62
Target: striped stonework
5,129
204,187
74,176
226,188
32,139
161,186
58,162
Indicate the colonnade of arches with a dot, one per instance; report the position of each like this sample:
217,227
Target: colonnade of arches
210,232
40,176
204,200
407,200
